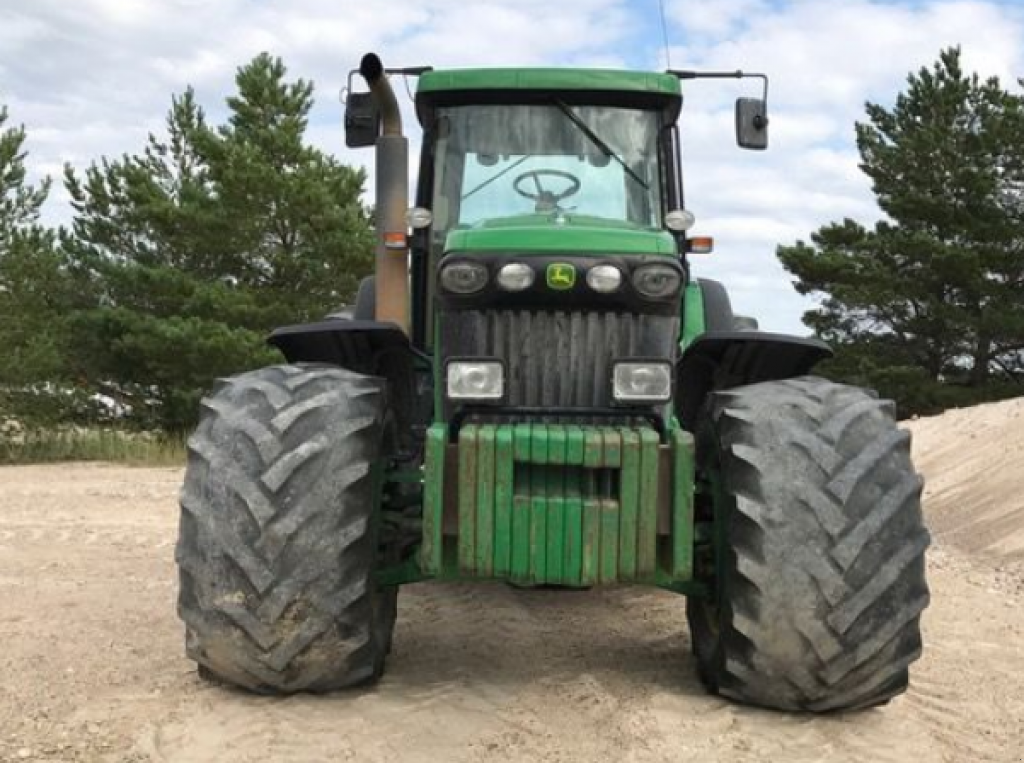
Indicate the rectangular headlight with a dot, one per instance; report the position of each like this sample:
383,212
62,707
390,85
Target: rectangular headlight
642,382
475,380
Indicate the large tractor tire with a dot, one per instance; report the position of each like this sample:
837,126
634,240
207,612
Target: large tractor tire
279,529
821,580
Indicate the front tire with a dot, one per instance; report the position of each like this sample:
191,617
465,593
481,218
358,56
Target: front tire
278,538
821,585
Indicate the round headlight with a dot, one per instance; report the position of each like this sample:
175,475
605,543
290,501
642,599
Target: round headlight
515,277
464,277
604,278
656,280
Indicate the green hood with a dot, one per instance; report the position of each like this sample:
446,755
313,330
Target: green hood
536,233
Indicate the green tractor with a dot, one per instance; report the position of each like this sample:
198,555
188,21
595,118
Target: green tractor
534,389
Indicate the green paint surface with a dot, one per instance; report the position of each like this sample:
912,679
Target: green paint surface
575,542
433,500
683,450
486,489
593,448
548,79
609,572
647,520
538,504
538,453
555,494
574,448
521,539
556,448
613,439
558,539
693,314
538,540
547,237
467,500
522,442
503,492
629,500
590,562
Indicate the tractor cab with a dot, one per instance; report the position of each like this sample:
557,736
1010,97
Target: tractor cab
532,153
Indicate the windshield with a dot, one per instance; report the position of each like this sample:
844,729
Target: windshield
509,163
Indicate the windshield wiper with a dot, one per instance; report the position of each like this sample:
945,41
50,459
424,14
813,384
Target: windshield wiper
597,141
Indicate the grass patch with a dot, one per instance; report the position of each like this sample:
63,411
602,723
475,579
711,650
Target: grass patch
45,447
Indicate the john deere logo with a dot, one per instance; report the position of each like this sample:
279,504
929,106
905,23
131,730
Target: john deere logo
561,277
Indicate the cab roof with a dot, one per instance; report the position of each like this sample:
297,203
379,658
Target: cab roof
621,87
549,79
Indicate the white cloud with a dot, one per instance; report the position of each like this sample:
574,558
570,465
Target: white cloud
93,77
717,20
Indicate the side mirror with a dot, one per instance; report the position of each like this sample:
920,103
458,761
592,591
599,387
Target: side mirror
362,120
752,123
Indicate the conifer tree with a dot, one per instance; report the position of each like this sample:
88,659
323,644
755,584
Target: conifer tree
197,248
929,300
34,292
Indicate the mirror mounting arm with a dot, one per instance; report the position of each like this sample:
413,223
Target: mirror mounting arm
738,74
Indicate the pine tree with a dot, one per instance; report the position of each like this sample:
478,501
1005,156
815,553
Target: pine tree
33,293
197,248
931,296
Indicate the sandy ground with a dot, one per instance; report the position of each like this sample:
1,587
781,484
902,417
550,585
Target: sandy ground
91,665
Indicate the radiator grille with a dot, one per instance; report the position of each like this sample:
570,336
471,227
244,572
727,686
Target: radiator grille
557,359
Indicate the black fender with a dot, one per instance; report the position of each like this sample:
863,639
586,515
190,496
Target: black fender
366,300
366,347
357,345
719,360
718,315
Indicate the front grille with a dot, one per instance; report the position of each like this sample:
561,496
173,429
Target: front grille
553,358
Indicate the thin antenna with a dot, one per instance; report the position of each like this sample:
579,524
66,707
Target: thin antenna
664,34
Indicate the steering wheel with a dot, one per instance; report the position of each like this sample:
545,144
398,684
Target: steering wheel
546,200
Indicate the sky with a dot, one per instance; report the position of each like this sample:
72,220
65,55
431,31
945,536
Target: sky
93,78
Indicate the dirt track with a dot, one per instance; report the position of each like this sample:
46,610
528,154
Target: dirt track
91,665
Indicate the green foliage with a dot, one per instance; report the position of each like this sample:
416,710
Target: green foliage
926,305
187,255
19,201
33,293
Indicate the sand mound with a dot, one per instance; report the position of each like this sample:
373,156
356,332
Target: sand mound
973,462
